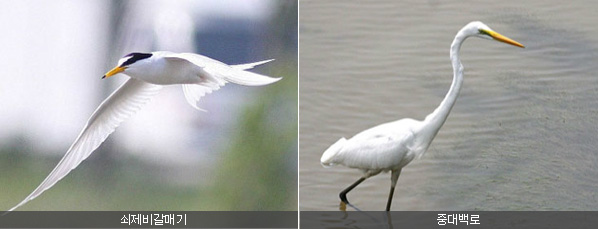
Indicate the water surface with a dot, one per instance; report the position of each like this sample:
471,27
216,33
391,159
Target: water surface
522,135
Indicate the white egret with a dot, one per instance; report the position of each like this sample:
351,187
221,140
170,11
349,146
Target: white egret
391,146
198,74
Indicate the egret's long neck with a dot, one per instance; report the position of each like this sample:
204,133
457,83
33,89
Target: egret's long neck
436,119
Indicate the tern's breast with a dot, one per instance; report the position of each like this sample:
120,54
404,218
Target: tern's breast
165,72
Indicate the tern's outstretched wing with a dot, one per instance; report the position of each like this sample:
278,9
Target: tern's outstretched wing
121,104
218,74
229,73
194,92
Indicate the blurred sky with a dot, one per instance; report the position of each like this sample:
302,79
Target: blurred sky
54,53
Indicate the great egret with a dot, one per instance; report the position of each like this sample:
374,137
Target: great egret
391,146
198,74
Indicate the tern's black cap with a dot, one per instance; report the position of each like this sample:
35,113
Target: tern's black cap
135,57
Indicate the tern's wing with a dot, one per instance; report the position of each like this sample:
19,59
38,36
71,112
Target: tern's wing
215,74
121,104
194,92
228,73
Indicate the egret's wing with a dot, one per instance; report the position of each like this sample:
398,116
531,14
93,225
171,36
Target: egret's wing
222,71
377,152
121,104
380,147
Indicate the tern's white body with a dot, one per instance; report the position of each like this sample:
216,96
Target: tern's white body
188,68
198,74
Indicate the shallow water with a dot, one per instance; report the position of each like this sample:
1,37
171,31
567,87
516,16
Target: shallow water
522,135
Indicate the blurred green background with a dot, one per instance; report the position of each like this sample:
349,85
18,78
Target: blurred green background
253,163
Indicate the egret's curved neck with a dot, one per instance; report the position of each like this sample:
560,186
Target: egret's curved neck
436,119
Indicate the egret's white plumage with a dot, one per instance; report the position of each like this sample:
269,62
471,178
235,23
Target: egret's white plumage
391,146
198,74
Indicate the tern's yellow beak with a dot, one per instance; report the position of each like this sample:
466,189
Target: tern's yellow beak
114,71
501,38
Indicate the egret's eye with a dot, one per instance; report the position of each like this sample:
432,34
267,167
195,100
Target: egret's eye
484,32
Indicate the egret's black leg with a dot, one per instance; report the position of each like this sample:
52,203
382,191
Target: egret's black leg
392,190
393,182
343,194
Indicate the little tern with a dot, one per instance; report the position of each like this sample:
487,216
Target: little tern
148,72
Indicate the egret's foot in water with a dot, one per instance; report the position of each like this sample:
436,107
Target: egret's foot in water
342,206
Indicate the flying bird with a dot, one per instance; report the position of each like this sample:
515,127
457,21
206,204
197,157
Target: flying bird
391,146
148,72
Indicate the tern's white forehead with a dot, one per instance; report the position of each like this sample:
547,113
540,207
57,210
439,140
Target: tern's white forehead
122,60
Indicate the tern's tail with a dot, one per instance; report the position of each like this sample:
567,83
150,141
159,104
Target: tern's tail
250,65
249,78
330,154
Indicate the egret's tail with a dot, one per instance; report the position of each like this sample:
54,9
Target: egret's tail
328,156
239,76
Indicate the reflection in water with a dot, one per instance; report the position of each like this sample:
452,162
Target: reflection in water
343,206
363,219
379,222
367,219
389,219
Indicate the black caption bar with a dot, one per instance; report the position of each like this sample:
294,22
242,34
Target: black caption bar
449,219
148,219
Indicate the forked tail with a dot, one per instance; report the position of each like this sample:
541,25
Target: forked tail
250,65
239,76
